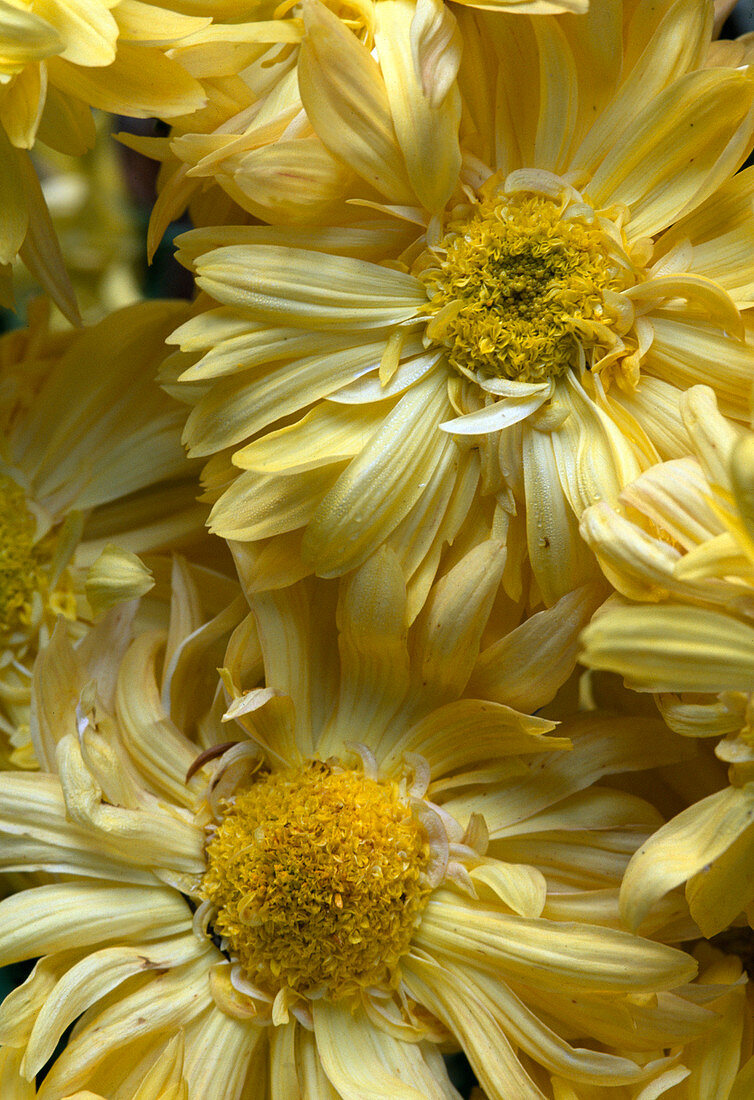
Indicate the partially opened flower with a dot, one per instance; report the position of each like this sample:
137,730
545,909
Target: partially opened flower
679,549
494,331
368,861
90,456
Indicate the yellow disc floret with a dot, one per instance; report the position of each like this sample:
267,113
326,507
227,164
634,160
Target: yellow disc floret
518,282
21,559
318,878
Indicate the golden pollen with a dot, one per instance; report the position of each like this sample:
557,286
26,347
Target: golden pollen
519,283
22,559
317,876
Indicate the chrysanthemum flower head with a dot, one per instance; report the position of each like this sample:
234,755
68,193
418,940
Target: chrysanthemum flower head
679,549
327,878
90,457
494,330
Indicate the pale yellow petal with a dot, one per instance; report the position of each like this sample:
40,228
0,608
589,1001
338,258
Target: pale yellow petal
374,660
142,81
681,849
65,915
303,288
547,954
345,99
379,487
526,667
363,1062
672,647
675,45
427,132
707,113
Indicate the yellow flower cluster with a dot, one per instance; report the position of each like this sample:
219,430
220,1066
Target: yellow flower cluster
377,625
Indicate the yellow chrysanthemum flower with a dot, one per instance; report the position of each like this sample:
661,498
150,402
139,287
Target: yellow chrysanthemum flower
369,861
494,331
58,58
90,456
680,550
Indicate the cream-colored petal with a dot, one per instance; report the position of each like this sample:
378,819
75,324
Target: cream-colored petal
141,81
446,638
467,732
525,668
523,889
436,48
681,849
328,433
379,487
93,977
87,28
295,286
374,660
258,506
285,633
143,22
150,838
672,647
116,576
676,44
169,1001
547,954
499,414
37,835
558,95
22,103
602,745
723,887
364,1063
344,95
484,1042
555,549
705,113
427,132
159,750
219,1052
290,181
237,408
58,917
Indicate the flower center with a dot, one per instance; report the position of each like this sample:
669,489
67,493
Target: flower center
21,559
318,878
521,283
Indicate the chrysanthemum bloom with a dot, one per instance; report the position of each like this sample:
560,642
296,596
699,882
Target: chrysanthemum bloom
90,456
370,859
680,550
505,318
56,61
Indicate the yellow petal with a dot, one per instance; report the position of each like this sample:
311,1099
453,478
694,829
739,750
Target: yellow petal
140,82
427,132
705,113
344,96
681,849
